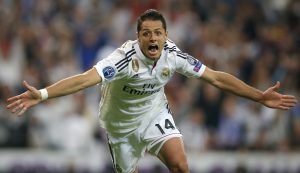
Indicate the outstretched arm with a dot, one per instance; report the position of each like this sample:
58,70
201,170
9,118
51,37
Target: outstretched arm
269,98
20,103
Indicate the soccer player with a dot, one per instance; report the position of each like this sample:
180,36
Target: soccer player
133,108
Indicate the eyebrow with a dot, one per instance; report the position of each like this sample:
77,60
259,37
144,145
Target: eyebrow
150,29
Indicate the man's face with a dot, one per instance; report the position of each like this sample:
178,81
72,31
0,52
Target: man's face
152,38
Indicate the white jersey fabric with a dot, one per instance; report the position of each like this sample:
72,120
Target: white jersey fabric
133,85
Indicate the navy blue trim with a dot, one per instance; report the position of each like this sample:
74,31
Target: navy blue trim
172,49
126,64
126,55
126,60
182,55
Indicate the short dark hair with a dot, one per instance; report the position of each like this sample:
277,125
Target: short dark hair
151,14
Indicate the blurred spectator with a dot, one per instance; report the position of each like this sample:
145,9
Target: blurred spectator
254,126
89,42
76,129
230,132
210,100
295,128
194,131
12,57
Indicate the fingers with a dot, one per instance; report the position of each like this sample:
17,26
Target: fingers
27,86
288,104
22,111
290,101
289,97
276,86
12,99
18,108
14,104
284,108
17,105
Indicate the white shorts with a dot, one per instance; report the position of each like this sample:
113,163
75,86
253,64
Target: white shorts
127,149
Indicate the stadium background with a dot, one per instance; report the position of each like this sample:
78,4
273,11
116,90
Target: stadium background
42,41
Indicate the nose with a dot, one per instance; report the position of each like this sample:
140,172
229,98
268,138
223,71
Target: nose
153,37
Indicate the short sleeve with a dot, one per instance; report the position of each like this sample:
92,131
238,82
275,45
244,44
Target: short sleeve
113,67
184,63
188,65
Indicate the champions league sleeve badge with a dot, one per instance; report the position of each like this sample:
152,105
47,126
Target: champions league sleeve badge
197,66
194,62
109,72
191,60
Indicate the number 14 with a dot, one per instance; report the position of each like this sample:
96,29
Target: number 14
168,125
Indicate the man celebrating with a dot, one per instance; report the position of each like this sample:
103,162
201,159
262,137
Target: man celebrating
133,108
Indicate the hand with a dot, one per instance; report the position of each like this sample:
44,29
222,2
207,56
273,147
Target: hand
275,100
20,103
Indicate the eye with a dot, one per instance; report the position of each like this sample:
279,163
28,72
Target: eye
157,33
146,34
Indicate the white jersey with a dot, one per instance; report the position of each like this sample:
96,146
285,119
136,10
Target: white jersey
133,85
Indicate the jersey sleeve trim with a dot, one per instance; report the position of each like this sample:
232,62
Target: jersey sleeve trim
170,49
182,55
100,73
202,69
125,61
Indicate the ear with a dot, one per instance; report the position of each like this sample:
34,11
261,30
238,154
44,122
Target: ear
166,35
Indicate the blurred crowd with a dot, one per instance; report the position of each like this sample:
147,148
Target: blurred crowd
43,41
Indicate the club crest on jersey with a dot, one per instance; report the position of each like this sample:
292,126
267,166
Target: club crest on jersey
191,60
165,73
109,72
135,65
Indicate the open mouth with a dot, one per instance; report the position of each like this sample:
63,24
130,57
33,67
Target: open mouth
153,49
